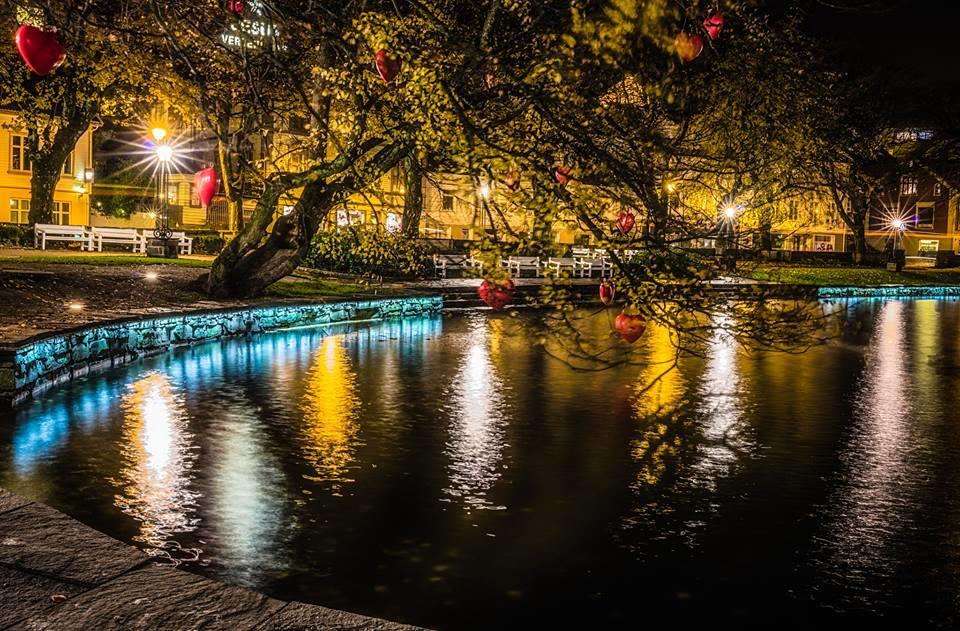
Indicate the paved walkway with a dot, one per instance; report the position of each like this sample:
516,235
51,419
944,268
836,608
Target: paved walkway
56,573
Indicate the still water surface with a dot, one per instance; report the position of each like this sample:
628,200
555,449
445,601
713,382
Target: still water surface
446,472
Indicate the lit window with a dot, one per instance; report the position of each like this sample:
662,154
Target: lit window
61,213
793,210
908,185
19,211
937,189
924,216
68,165
393,222
19,160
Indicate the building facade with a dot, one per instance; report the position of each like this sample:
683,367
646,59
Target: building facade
71,197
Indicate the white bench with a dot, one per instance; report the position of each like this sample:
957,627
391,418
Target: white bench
184,243
517,264
603,263
576,266
443,263
117,236
43,232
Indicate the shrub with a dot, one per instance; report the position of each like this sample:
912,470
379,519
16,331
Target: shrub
368,252
16,235
208,243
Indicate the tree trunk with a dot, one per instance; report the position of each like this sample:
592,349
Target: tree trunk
412,196
43,184
859,243
250,263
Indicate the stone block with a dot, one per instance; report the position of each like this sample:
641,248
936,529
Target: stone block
300,616
25,595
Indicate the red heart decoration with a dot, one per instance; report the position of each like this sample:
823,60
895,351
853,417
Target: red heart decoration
713,25
630,327
206,184
496,295
387,66
607,292
688,47
512,180
625,222
563,174
237,7
40,49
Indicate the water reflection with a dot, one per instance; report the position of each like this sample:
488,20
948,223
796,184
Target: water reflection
476,401
721,408
875,497
158,459
330,412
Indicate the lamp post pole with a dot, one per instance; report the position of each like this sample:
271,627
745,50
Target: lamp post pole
162,245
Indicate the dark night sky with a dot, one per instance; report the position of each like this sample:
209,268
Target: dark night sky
914,41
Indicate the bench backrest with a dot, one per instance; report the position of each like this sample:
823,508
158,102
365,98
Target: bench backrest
118,233
48,228
524,260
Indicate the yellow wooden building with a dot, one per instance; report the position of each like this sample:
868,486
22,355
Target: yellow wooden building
72,198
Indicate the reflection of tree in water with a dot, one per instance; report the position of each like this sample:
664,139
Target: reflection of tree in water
685,447
158,461
330,412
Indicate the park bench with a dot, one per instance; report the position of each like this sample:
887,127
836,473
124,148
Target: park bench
516,265
445,263
117,236
576,266
43,232
184,243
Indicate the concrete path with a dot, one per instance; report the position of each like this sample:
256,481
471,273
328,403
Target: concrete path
56,573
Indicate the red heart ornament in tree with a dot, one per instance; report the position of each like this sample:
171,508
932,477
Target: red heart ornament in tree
713,25
237,7
688,47
607,292
625,222
40,49
387,66
630,326
563,174
512,180
206,184
497,295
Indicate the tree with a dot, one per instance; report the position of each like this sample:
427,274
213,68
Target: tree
101,77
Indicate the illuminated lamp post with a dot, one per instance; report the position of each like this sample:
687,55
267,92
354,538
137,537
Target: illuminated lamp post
162,244
727,238
899,227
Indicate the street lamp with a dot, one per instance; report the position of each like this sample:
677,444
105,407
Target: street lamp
158,133
899,227
162,244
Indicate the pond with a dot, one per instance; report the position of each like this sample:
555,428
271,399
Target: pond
447,472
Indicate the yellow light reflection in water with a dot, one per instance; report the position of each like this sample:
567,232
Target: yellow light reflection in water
476,442
158,460
331,408
659,391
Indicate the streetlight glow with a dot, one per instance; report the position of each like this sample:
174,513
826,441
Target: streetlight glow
158,133
898,224
730,212
485,190
164,153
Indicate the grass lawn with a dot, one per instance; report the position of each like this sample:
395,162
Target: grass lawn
101,259
315,287
850,276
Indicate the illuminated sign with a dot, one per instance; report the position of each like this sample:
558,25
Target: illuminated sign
253,29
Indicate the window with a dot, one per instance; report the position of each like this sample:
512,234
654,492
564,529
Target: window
793,210
68,165
19,160
937,189
928,247
908,185
924,216
446,201
394,221
194,198
19,210
823,242
61,213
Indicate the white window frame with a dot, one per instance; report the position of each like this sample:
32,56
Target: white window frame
61,213
19,210
18,145
908,185
933,215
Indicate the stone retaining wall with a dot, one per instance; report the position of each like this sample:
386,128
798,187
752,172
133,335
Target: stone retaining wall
36,364
891,291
